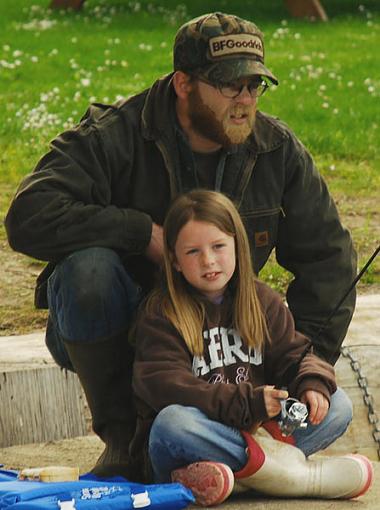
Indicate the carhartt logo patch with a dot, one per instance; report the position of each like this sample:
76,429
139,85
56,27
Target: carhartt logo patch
261,239
236,43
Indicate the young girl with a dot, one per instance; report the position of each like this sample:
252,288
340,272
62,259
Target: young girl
213,344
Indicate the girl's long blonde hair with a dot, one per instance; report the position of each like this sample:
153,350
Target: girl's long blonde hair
177,301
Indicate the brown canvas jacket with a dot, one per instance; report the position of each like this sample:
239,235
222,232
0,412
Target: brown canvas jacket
103,183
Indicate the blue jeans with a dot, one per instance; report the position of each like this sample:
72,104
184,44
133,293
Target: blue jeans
182,435
91,297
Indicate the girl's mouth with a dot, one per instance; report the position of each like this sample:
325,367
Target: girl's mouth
211,276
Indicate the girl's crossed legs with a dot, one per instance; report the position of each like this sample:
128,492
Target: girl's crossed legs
183,435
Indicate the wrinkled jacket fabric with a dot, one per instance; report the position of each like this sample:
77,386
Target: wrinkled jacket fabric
227,382
103,183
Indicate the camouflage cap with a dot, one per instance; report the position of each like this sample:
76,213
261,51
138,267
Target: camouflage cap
221,48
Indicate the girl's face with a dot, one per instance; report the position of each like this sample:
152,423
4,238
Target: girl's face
206,257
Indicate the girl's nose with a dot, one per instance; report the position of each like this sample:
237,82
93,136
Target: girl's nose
208,258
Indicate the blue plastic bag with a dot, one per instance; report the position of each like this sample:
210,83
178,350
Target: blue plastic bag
90,493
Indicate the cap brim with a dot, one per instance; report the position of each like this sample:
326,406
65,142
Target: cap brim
230,70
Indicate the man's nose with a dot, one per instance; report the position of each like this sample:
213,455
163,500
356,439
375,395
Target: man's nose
245,97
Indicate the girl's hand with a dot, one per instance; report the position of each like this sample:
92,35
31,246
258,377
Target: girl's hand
318,405
272,399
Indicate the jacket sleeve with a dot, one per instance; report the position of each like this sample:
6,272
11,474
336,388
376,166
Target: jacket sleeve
317,249
285,349
163,376
65,204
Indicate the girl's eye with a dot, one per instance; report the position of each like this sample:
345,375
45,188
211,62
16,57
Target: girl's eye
191,252
219,246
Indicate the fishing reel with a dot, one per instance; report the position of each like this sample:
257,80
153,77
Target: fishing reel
293,416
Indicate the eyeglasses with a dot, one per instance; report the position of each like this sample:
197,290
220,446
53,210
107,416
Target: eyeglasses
256,88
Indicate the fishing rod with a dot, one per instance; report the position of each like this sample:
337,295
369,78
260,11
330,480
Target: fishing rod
293,412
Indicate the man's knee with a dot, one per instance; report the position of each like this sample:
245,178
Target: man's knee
87,277
91,296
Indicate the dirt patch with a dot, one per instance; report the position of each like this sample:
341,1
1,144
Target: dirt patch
80,451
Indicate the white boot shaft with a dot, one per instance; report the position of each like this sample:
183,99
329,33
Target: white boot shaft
286,472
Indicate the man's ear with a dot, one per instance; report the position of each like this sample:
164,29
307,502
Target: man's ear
182,84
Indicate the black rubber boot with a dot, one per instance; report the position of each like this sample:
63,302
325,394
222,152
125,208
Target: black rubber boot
104,369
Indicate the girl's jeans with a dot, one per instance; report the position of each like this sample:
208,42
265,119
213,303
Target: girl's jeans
182,435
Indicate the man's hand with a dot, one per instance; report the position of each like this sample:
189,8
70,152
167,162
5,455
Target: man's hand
272,399
155,248
318,405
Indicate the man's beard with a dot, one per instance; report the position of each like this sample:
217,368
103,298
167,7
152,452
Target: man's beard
219,129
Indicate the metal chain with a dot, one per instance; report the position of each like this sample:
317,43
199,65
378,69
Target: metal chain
373,419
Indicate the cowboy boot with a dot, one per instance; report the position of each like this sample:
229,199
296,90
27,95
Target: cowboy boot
104,369
279,469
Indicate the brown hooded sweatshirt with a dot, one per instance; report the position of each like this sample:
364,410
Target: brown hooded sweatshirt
227,382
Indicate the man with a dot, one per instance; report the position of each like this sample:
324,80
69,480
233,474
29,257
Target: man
95,204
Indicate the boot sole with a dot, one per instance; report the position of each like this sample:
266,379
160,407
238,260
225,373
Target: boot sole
210,482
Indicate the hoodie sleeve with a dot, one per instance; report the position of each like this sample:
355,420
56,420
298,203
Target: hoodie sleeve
163,376
285,349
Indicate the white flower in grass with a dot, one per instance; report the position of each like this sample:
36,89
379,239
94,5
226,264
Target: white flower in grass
17,53
77,96
34,59
86,82
332,167
74,40
325,105
145,47
322,87
335,111
163,44
6,47
124,63
371,89
350,84
297,36
92,99
53,52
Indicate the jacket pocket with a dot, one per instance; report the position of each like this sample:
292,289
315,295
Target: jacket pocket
262,227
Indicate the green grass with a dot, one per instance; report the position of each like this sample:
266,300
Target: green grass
52,64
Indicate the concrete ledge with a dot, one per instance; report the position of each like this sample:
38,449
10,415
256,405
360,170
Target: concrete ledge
39,401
